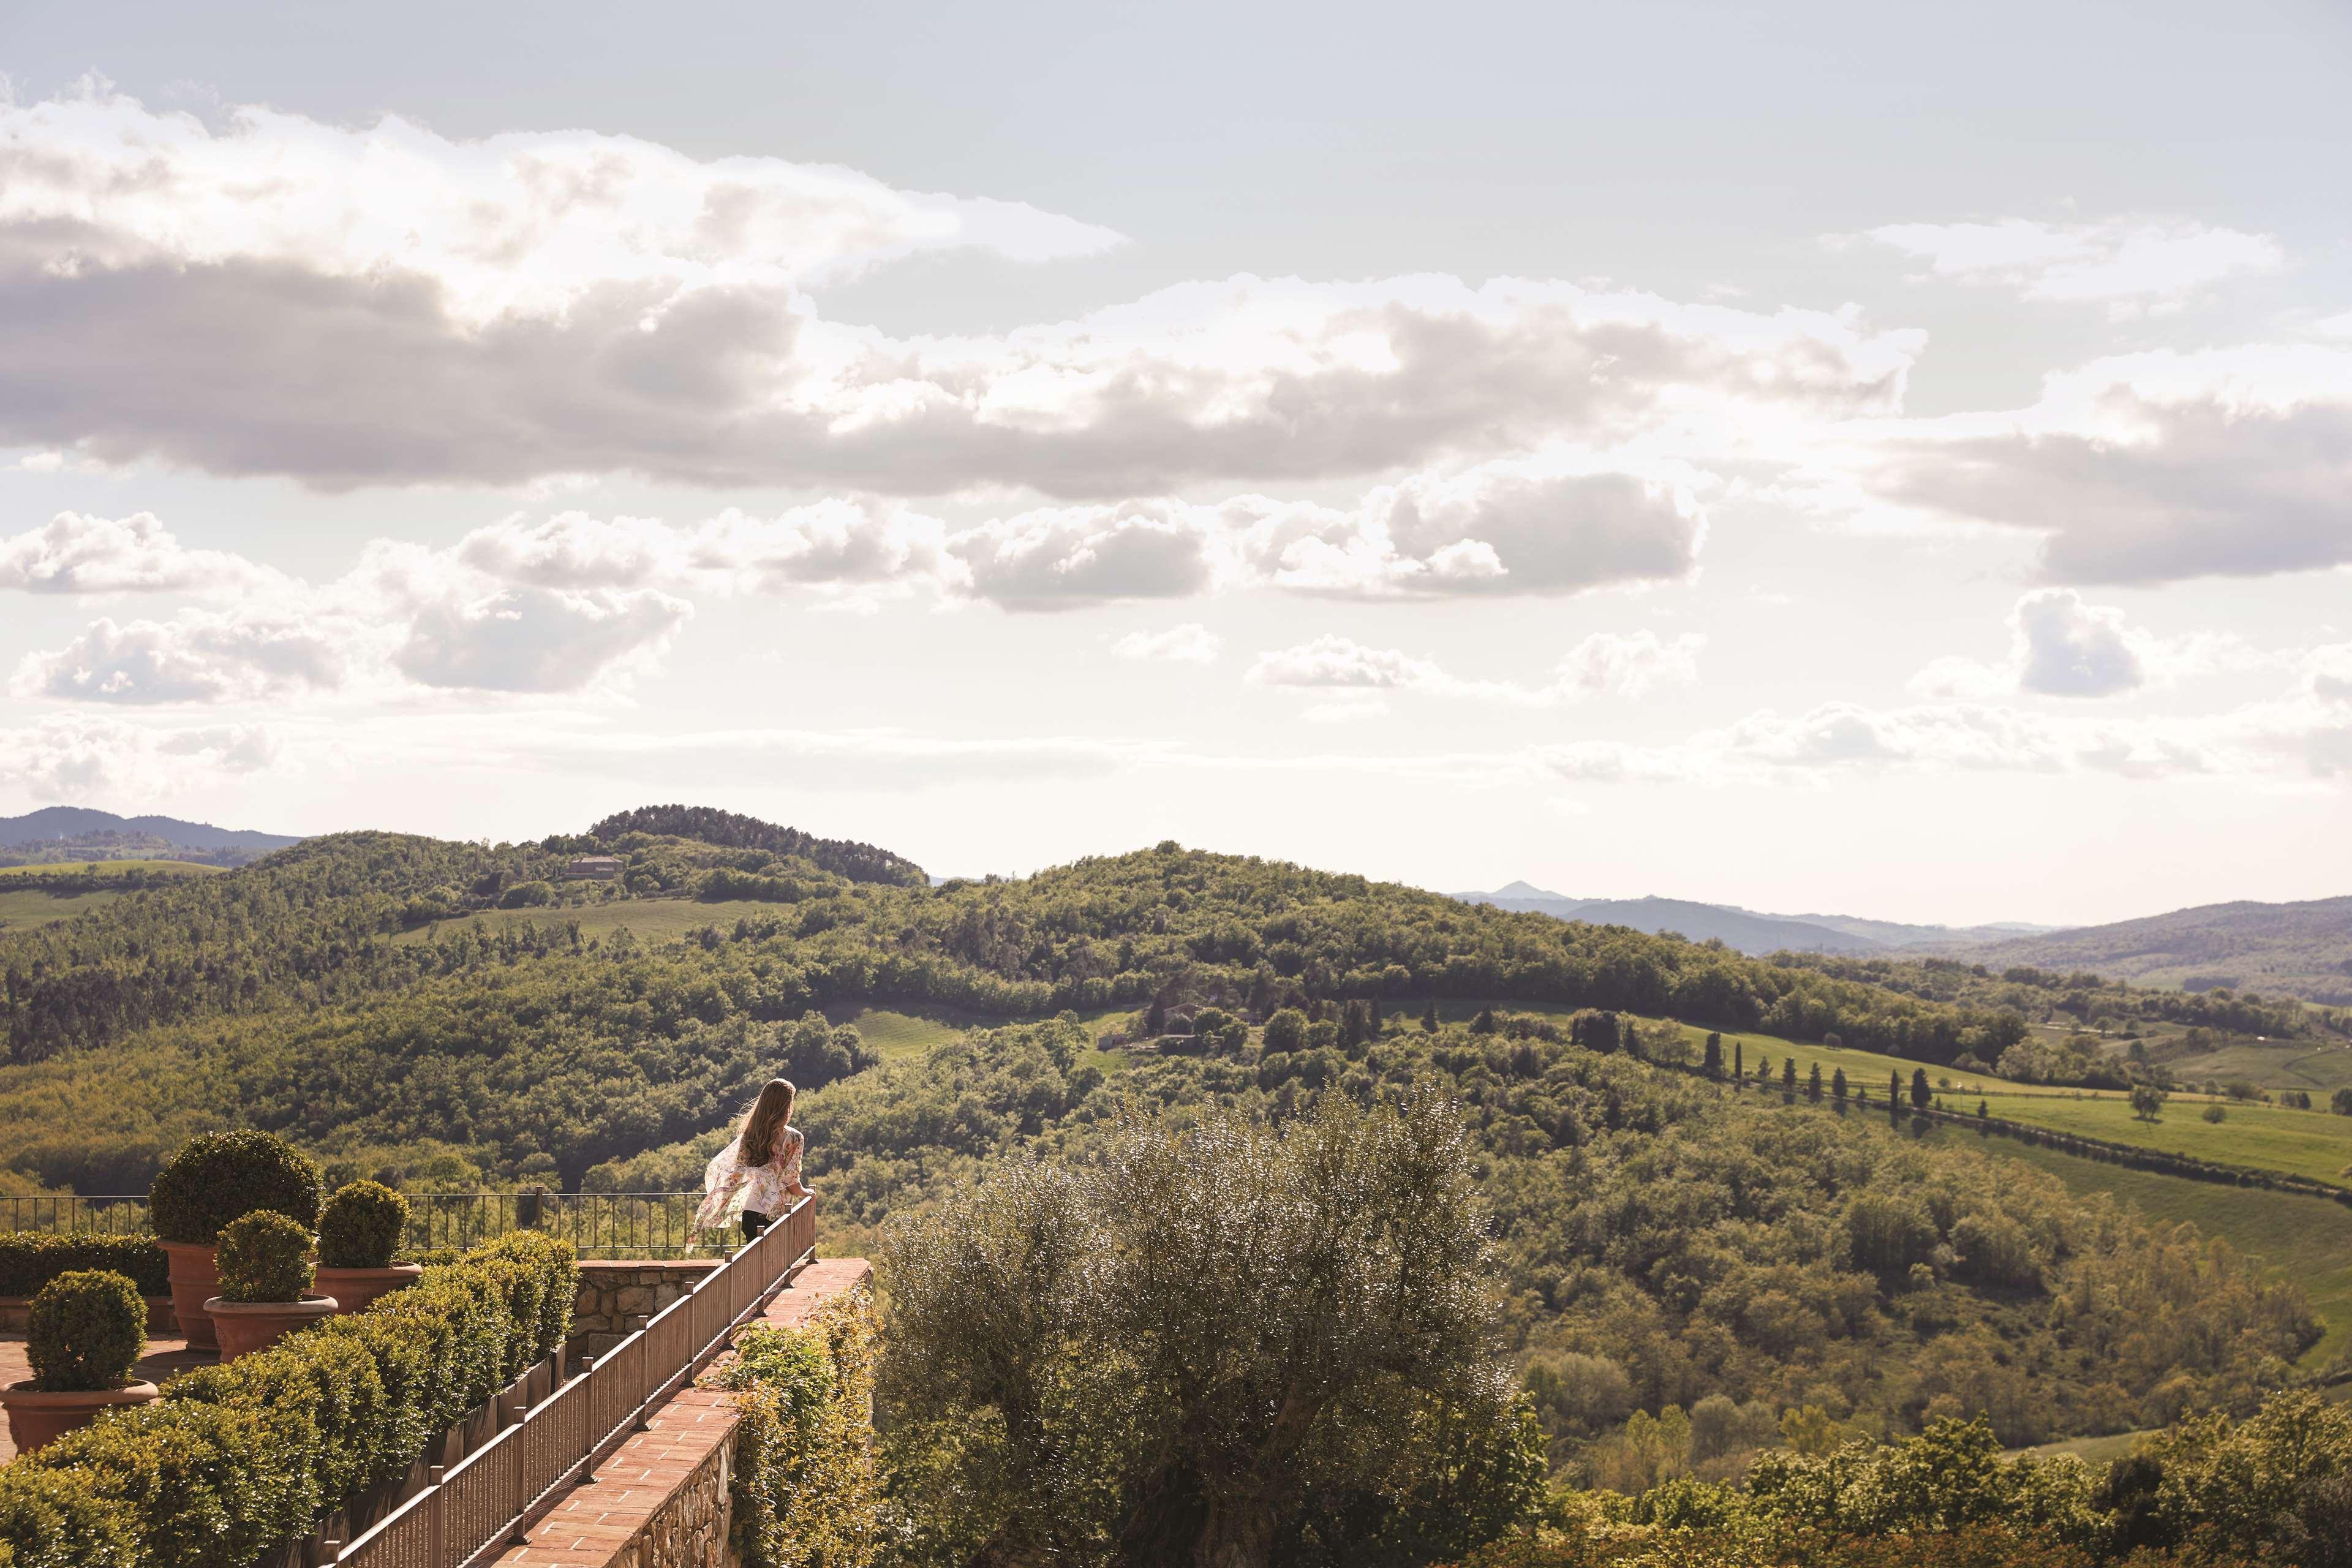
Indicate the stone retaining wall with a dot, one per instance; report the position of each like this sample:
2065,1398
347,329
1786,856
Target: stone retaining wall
617,1299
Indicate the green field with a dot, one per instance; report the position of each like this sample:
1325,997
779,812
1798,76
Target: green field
2311,1143
26,906
2308,1240
110,867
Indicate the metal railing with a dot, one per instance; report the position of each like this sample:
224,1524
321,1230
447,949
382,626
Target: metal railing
598,1224
76,1217
477,1508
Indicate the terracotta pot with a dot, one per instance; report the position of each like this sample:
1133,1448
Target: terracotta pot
354,1289
244,1327
35,1418
195,1278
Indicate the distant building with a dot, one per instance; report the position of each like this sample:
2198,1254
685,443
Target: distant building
594,868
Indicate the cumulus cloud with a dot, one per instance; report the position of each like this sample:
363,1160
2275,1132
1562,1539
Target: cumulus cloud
103,759
1544,524
1190,643
74,553
195,658
385,305
1604,663
405,618
2151,468
2122,263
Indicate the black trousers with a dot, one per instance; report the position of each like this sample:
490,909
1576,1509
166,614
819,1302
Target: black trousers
754,1223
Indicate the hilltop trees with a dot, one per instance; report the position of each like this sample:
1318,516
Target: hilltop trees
1087,1361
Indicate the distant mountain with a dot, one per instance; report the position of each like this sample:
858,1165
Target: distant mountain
1895,933
54,829
1749,930
2301,950
1739,928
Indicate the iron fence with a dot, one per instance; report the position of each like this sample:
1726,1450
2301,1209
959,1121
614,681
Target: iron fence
473,1510
599,1225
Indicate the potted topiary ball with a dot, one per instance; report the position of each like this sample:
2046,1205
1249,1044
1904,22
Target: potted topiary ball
361,1228
265,1280
86,1330
215,1179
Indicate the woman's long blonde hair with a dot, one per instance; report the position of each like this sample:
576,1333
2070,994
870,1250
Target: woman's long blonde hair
766,1122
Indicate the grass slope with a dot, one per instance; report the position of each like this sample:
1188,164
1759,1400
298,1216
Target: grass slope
2310,1143
109,867
2306,1240
648,920
24,906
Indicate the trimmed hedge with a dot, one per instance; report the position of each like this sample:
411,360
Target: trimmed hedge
31,1259
85,1331
361,1226
222,1176
235,1460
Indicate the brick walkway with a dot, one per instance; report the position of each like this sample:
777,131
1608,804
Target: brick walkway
595,1524
164,1357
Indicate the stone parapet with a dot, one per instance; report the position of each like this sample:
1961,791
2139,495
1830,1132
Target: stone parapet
617,1299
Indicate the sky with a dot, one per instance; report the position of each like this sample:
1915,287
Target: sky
1882,459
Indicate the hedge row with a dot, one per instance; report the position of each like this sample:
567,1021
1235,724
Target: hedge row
236,1461
31,1259
807,1486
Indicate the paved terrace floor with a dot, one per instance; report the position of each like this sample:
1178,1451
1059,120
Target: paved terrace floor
597,1521
164,1357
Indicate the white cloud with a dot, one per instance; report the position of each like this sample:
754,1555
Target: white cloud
73,553
198,657
2308,730
2122,262
1190,643
1544,524
385,305
103,759
2147,468
527,224
1604,663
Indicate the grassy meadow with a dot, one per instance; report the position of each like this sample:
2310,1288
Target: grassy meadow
111,867
23,907
2307,1240
2311,1143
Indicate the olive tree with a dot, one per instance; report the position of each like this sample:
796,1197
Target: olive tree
1212,1343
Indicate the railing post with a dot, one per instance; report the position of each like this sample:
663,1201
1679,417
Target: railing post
521,1472
437,1521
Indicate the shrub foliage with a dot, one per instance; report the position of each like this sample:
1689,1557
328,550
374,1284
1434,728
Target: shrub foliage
264,1257
223,1176
235,1461
31,1259
86,1330
361,1226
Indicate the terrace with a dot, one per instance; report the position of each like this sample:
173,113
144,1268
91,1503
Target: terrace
602,1453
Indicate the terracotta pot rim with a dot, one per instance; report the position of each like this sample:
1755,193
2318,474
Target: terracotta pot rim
359,1276
138,1391
309,1306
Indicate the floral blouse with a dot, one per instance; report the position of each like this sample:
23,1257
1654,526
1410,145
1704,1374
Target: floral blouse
766,1189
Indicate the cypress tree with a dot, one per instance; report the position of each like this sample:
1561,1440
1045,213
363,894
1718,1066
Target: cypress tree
1789,1075
1813,1084
1712,1064
1920,1093
1429,1018
1738,1061
1837,1084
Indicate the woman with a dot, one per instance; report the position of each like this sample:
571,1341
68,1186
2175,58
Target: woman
764,1163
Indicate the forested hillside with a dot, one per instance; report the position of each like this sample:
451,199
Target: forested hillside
1691,1266
1666,1242
346,990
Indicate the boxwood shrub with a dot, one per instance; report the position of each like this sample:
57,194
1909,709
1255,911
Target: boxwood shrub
31,1259
361,1226
87,1329
223,1176
264,1257
235,1461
